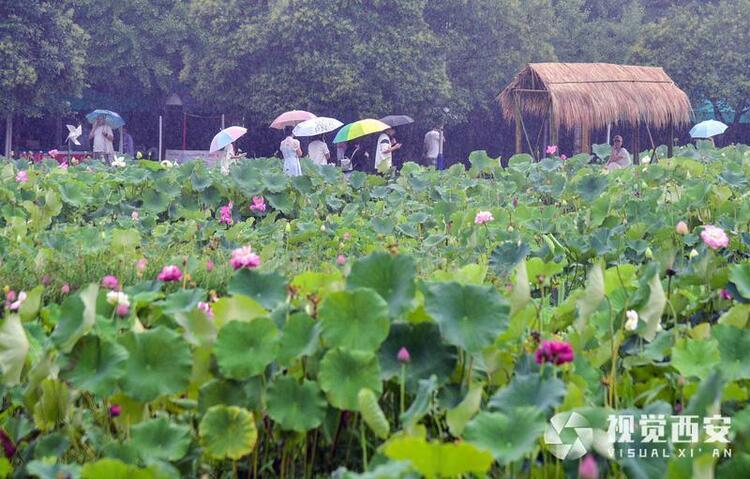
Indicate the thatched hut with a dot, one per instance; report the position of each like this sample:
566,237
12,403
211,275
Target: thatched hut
590,96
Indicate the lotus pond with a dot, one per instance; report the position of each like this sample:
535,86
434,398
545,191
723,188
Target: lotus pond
544,320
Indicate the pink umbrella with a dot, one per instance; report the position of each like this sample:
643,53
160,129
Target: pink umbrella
291,118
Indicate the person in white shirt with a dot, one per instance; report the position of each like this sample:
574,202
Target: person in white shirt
433,146
228,159
384,151
291,150
318,151
619,158
102,135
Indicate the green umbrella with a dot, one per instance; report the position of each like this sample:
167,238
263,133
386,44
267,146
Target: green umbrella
359,128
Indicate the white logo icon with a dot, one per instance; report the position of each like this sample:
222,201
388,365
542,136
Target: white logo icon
568,435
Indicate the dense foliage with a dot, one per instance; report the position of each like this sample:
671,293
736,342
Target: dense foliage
172,325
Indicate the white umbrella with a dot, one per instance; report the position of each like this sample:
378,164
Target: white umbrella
316,126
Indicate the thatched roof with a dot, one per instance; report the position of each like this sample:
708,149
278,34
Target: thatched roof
595,94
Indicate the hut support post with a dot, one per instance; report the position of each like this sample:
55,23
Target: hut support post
670,143
554,128
517,116
585,139
636,144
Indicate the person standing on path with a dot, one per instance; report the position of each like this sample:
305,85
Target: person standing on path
102,135
384,151
291,150
433,146
318,151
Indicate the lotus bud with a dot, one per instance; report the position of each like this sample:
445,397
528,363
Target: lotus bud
588,469
403,355
681,228
115,410
692,253
648,253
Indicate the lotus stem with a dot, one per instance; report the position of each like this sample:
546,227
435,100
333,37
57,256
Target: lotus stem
402,387
363,441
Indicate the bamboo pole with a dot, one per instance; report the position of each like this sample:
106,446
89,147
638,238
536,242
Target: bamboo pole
160,135
8,134
517,115
670,143
585,139
554,127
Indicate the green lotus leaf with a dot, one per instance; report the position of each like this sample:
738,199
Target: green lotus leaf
160,439
508,436
125,240
469,316
244,348
44,470
14,345
182,301
591,186
300,337
420,406
156,201
159,364
295,406
392,277
281,201
343,373
693,358
227,432
652,310
221,391
734,349
434,459
708,394
505,257
53,405
545,393
429,355
77,317
354,319
30,307
51,445
95,365
269,289
389,470
739,275
592,297
115,469
274,182
457,417
200,180
236,308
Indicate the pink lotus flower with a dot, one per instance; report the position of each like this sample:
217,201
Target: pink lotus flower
403,355
259,204
714,237
65,289
681,228
563,157
170,273
140,265
135,216
63,165
483,217
725,294
515,202
53,153
110,282
341,260
551,149
22,176
122,310
555,352
226,214
115,410
209,265
588,469
16,305
46,280
244,258
206,308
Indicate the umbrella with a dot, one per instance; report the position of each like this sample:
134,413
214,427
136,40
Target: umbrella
291,118
113,119
397,120
316,126
360,128
225,137
707,129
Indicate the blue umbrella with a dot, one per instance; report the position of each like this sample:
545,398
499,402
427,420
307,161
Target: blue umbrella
113,119
707,129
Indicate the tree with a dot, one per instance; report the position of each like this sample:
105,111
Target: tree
42,56
136,50
705,54
347,59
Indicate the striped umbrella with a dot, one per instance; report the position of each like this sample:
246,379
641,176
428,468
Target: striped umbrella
359,128
225,137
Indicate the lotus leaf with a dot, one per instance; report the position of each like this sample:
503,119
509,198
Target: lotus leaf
160,439
228,432
343,373
244,348
509,436
95,365
295,406
355,319
391,276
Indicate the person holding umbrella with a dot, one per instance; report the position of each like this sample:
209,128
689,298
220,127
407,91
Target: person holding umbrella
102,136
291,150
384,151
